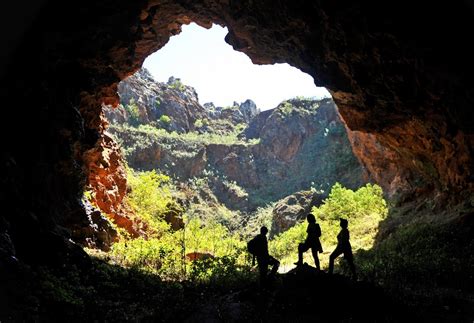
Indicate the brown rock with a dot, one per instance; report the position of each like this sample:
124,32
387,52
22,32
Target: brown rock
292,209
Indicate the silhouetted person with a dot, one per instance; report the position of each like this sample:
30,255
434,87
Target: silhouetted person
312,241
343,247
263,257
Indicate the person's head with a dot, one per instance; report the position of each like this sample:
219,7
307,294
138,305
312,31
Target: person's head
310,218
263,230
343,223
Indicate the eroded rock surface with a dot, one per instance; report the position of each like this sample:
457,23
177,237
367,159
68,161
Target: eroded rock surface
292,209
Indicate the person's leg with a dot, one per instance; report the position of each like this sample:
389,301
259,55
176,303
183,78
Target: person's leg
302,247
300,254
332,257
314,251
350,259
262,268
275,264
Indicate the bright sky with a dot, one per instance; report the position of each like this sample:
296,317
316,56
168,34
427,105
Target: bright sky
202,59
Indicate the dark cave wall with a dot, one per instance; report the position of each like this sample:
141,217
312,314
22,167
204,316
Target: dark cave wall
399,73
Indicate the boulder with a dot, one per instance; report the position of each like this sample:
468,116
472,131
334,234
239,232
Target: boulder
292,209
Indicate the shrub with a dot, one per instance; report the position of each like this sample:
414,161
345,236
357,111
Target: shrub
199,123
235,189
150,197
164,119
285,245
421,256
177,85
364,208
285,108
133,112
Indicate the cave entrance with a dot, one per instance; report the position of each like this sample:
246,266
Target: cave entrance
206,163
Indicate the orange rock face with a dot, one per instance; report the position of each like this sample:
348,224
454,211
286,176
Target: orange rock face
415,157
108,180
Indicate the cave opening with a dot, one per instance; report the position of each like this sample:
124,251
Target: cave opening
219,166
404,95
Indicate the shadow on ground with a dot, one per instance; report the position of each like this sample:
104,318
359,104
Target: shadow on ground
304,294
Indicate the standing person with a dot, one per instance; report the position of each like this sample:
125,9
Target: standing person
258,246
343,247
312,241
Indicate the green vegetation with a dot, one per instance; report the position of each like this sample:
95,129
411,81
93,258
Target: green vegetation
230,107
177,85
263,216
199,123
403,262
133,113
157,103
420,253
300,105
213,229
162,251
364,209
422,264
143,136
165,120
336,164
286,108
236,189
150,198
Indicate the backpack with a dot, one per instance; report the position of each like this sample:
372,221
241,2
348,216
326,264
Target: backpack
252,246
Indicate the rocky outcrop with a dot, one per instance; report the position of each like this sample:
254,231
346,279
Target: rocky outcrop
173,106
292,209
108,182
302,144
95,231
249,110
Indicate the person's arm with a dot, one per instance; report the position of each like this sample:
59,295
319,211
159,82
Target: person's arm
266,246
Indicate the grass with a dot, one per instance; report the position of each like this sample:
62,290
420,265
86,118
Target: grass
428,267
145,135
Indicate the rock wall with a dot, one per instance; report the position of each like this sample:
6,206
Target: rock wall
144,101
400,73
301,144
293,208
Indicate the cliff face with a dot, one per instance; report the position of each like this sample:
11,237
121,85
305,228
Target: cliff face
144,101
255,159
173,106
398,76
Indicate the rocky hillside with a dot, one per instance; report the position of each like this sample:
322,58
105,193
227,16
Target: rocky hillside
174,106
248,158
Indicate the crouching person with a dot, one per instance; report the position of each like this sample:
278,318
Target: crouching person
258,246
